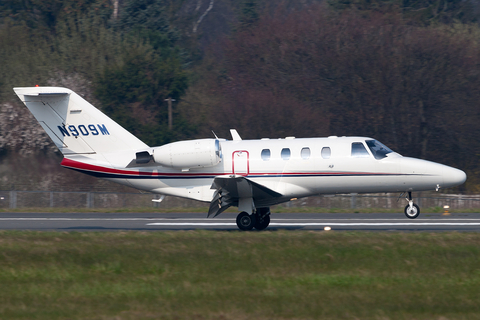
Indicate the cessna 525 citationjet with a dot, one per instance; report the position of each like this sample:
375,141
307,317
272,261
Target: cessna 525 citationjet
250,174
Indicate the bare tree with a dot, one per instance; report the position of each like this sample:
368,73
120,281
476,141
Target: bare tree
312,72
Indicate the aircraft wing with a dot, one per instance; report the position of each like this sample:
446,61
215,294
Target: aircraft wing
239,191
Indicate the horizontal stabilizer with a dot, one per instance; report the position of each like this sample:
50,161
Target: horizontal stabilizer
49,94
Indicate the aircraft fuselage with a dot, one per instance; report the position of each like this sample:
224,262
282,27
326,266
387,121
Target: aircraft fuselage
294,168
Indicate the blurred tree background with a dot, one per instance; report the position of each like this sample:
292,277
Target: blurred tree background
404,72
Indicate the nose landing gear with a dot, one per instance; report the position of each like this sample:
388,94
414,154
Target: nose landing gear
411,210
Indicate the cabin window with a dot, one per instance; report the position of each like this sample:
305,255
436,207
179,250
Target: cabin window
359,151
326,153
305,153
378,149
266,154
285,153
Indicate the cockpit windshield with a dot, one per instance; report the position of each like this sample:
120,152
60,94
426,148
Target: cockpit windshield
378,149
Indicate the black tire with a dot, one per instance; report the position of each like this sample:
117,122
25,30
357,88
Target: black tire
262,223
245,221
412,213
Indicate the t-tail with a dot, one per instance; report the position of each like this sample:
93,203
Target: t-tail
74,125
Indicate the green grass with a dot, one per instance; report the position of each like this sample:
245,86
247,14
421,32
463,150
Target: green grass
239,275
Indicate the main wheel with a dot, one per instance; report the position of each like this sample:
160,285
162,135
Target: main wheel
412,212
262,223
245,221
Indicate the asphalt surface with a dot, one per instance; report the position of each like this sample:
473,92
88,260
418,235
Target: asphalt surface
226,221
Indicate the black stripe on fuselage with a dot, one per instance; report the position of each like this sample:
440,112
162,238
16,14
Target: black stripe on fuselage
100,174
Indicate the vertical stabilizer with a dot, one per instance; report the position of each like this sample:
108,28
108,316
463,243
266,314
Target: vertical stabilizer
74,125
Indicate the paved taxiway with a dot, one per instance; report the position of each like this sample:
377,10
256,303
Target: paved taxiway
226,221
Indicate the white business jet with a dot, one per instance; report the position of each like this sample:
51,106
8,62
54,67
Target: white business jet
250,174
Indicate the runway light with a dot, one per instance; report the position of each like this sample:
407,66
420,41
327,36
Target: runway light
327,228
445,210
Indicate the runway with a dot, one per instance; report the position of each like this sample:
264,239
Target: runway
226,221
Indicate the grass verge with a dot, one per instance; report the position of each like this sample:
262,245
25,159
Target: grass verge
239,275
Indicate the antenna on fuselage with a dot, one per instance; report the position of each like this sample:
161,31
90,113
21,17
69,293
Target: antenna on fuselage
235,135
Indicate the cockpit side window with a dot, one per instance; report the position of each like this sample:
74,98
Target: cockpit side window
359,151
378,149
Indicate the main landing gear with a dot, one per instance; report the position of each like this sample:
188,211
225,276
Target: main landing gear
259,220
411,210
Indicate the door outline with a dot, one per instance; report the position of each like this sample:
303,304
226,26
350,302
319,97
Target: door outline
239,153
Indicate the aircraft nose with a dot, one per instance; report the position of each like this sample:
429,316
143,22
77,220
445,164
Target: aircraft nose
453,177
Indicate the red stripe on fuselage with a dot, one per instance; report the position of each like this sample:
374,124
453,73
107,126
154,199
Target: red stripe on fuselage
73,164
68,163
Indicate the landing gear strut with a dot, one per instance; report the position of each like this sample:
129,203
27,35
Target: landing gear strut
262,218
259,220
411,210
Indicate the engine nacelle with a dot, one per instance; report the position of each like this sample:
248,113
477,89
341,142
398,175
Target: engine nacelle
189,154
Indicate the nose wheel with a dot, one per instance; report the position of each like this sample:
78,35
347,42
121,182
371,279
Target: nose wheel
411,210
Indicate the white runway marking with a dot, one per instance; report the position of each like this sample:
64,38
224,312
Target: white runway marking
306,224
78,219
154,222
109,219
216,219
101,219
380,224
200,224
290,222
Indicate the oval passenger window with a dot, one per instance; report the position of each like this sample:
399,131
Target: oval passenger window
305,153
326,153
285,154
266,154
